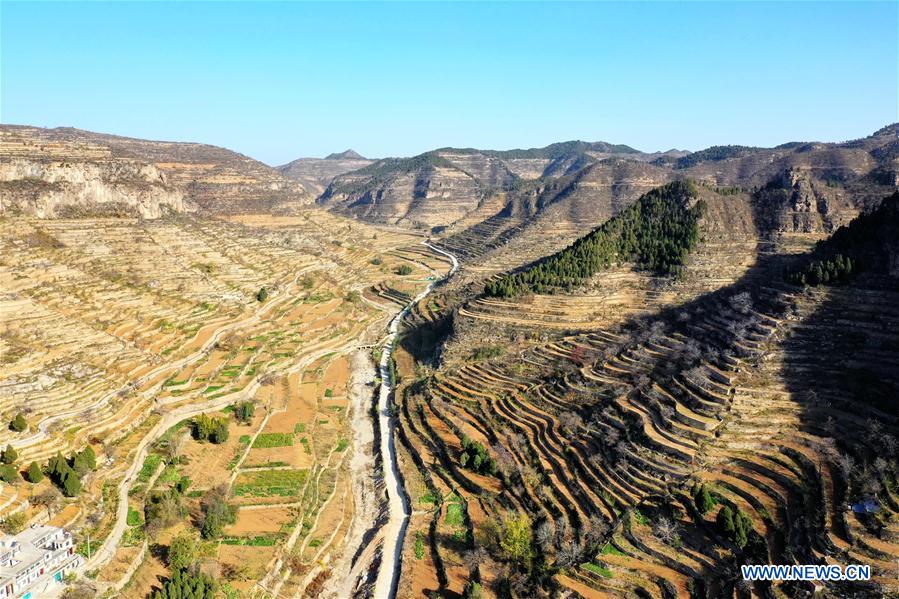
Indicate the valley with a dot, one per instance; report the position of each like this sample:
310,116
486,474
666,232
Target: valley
581,370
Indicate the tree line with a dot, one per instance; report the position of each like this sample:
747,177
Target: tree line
657,232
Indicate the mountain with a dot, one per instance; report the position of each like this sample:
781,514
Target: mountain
801,186
440,187
66,171
345,155
315,174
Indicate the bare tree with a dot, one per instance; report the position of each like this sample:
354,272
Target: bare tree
666,530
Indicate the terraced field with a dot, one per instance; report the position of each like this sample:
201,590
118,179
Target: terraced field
117,333
611,413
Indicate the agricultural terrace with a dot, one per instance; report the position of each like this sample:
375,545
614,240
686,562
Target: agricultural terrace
112,328
651,455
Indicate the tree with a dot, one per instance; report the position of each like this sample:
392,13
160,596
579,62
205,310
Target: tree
71,484
725,520
219,432
9,455
217,513
18,423
244,411
515,541
262,294
183,484
404,270
34,474
182,551
472,590
9,474
703,500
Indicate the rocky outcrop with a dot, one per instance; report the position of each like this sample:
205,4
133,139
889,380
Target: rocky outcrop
54,188
53,172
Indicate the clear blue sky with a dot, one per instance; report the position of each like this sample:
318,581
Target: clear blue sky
281,80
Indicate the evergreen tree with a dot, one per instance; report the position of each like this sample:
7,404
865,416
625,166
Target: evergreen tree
9,455
71,484
9,474
703,500
18,423
34,474
725,520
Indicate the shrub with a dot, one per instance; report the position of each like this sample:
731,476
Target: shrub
404,270
18,423
262,294
183,484
244,411
14,523
472,590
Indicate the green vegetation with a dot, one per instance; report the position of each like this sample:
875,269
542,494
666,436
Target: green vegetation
487,352
823,272
735,526
859,246
9,455
712,154
18,424
419,545
472,590
703,499
404,269
262,294
217,513
657,232
266,440
265,483
182,551
9,474
609,549
134,518
151,464
14,523
214,430
474,457
66,474
342,444
34,474
597,569
184,585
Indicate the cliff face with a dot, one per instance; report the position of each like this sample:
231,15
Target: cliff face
796,187
47,172
52,188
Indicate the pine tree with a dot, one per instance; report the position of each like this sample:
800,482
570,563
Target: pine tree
18,423
34,474
9,455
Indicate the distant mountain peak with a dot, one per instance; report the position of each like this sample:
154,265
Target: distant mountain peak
345,155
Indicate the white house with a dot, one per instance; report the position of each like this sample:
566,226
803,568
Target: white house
35,560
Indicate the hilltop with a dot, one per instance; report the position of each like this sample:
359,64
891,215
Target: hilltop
66,171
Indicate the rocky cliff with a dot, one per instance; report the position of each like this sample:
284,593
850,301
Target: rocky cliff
64,171
799,186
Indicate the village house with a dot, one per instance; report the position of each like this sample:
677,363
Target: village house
35,560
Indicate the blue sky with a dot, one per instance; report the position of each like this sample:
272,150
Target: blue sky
281,80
